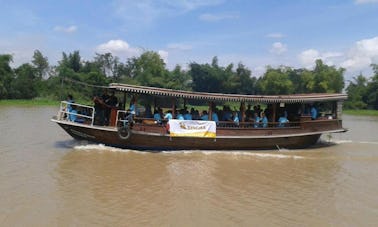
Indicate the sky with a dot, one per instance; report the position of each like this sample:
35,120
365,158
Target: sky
256,33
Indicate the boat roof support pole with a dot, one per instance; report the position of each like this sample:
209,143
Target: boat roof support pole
210,112
242,110
173,107
124,100
274,112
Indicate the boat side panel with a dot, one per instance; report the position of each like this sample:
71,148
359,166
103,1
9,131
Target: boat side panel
164,142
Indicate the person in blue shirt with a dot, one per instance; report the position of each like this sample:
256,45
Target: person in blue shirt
282,121
257,120
157,116
168,115
236,118
72,116
313,112
204,116
264,120
180,116
187,115
214,117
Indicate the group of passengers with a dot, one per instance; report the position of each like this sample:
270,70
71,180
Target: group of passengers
257,116
254,117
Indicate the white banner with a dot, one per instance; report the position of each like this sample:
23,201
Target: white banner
192,128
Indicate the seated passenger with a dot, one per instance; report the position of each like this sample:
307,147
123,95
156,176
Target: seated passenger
187,115
282,121
214,117
264,120
157,116
72,116
236,118
204,116
168,115
180,117
257,120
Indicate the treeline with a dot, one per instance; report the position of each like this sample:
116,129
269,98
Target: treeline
74,75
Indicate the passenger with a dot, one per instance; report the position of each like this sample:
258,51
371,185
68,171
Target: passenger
282,121
69,101
187,115
168,115
148,112
99,110
157,116
132,108
180,115
257,120
72,116
227,115
264,120
214,117
236,118
313,112
205,116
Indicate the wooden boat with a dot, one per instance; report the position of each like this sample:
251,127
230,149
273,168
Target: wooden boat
139,131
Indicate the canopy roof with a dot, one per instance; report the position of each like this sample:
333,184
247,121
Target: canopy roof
295,98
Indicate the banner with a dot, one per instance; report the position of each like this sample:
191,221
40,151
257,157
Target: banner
192,128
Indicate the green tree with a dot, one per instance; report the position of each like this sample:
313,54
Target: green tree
41,64
372,89
328,79
24,84
357,93
275,82
148,69
6,75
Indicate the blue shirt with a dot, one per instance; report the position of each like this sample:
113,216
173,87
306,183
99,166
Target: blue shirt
188,116
168,116
257,120
265,122
214,117
205,117
157,117
72,116
314,113
180,117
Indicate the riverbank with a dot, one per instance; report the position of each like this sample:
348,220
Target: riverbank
28,102
361,112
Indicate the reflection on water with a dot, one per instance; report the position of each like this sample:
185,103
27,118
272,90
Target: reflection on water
50,179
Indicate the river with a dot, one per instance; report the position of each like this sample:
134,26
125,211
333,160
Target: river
49,179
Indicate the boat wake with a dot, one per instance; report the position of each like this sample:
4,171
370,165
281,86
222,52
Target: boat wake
352,141
100,147
281,154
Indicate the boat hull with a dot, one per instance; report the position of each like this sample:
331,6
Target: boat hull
161,141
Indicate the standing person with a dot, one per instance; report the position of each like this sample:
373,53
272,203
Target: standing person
105,98
68,109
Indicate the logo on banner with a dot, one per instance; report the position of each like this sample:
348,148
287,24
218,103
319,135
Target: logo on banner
188,128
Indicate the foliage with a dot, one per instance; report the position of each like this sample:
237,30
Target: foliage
83,79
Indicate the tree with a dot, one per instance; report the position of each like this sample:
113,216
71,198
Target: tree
148,69
6,75
276,81
41,64
328,79
357,93
24,84
372,89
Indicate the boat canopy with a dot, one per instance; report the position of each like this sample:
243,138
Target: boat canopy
294,98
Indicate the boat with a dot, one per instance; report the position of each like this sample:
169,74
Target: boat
137,129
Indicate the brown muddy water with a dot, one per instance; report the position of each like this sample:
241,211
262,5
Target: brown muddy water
49,179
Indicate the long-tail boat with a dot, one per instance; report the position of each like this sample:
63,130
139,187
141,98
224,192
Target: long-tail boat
137,129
